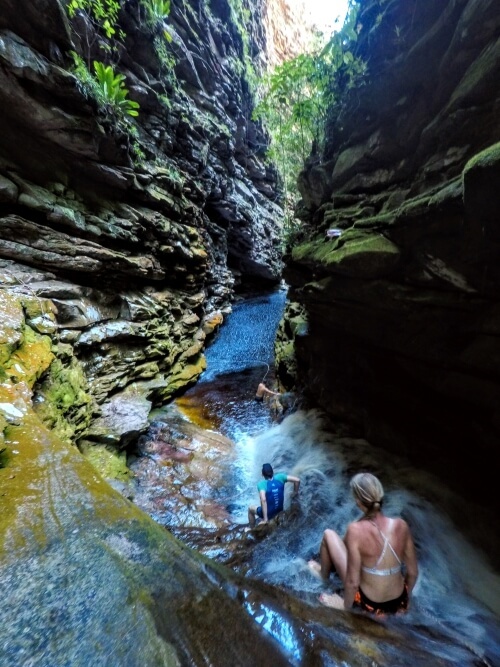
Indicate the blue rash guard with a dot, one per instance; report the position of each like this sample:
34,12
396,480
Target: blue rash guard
275,491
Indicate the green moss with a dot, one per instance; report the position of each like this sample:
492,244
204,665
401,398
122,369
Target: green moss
11,322
376,221
485,159
31,359
183,375
109,462
307,250
29,470
3,426
63,401
355,252
40,314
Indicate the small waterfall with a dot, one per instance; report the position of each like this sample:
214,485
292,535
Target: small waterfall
457,595
457,592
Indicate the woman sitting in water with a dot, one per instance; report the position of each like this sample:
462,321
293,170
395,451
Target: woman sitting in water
369,558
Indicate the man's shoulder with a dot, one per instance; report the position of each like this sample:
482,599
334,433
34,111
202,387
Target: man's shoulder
262,485
281,477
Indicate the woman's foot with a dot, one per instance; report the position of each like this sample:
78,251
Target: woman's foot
315,569
332,600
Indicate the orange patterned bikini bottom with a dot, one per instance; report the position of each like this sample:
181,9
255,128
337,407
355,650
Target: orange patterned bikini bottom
396,606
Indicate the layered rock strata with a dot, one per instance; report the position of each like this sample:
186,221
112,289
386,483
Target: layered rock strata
125,241
401,295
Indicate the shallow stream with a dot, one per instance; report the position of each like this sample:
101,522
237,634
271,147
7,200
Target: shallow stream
201,477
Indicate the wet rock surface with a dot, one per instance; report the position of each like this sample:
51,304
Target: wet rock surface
127,236
402,300
107,585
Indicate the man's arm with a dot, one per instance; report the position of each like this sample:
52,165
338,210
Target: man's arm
263,504
296,482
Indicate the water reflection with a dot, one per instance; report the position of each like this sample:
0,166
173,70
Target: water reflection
274,623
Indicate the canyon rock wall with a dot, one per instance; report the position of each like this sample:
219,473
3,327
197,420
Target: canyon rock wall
126,241
287,31
402,325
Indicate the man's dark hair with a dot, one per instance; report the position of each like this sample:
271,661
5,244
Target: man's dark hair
267,470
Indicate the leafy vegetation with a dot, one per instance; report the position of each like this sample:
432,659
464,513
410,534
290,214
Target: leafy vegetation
296,98
158,9
98,78
102,82
106,87
112,89
102,13
243,19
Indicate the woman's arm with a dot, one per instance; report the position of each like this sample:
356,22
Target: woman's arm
351,583
410,559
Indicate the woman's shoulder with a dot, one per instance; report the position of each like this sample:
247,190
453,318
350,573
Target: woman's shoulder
399,527
356,528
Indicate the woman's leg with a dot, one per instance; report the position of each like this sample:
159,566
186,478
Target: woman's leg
333,555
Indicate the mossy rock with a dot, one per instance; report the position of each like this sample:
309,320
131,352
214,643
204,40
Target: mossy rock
480,186
40,314
11,323
64,403
356,254
108,461
183,375
31,359
486,159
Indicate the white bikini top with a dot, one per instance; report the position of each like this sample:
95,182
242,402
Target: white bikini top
388,571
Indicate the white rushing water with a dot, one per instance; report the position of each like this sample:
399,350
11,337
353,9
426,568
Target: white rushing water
457,589
457,593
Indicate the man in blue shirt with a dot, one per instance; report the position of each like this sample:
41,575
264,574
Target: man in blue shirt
271,492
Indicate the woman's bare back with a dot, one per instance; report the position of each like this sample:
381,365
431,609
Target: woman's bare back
385,580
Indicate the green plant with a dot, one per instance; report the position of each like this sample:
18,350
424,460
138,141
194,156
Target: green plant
166,59
112,89
106,87
103,13
158,9
138,153
86,82
297,97
243,19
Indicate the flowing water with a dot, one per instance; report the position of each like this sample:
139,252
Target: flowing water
457,595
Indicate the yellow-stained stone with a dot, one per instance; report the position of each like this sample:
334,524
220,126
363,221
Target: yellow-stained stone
31,358
11,322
